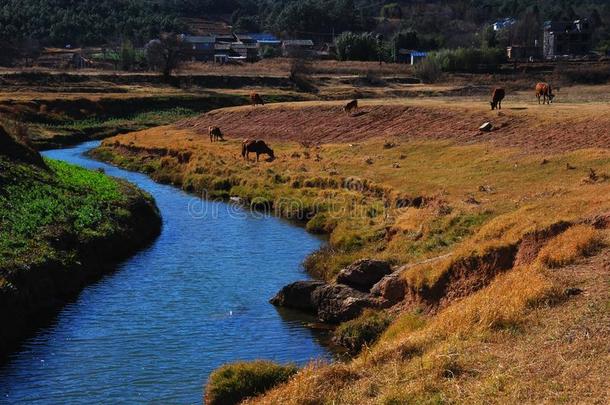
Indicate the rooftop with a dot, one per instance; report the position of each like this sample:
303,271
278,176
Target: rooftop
298,42
194,39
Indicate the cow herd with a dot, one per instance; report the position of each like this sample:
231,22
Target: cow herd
544,93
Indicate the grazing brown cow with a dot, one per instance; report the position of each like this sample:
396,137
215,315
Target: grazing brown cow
256,99
544,91
257,146
496,98
351,106
216,134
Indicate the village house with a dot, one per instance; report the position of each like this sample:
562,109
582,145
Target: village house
503,23
567,38
297,47
264,39
246,51
524,53
58,58
409,56
199,48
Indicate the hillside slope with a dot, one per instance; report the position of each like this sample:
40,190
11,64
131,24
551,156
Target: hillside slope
492,237
526,126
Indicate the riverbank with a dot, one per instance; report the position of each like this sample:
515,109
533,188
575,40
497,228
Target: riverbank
474,224
62,227
195,298
63,109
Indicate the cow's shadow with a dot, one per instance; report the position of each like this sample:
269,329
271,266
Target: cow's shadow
518,108
359,113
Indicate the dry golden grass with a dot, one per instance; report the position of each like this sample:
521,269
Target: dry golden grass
513,192
480,199
516,341
577,242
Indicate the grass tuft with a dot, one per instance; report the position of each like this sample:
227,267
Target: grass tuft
232,383
362,331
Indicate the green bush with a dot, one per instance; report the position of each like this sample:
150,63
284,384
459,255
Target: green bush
364,330
232,383
352,46
469,59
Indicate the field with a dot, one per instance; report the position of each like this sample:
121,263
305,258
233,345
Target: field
489,228
500,238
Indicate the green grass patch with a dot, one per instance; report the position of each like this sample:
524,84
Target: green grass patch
143,119
37,207
362,331
232,383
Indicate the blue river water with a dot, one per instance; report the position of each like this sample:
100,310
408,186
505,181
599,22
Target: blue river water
196,298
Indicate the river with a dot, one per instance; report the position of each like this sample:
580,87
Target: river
153,330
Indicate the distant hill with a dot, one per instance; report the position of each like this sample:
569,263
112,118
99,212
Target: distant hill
448,23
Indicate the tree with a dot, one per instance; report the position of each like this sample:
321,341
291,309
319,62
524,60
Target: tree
488,37
30,49
8,53
163,54
246,24
406,39
352,46
527,30
128,55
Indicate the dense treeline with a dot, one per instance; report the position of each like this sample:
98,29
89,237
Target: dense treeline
84,22
436,23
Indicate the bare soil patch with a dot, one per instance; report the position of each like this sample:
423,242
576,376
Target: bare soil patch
525,126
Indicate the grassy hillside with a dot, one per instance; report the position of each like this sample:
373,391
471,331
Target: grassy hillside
492,235
59,226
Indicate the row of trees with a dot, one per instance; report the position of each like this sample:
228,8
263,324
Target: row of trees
85,22
438,23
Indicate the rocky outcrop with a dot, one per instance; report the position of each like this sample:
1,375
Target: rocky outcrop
338,302
391,288
331,303
298,295
363,274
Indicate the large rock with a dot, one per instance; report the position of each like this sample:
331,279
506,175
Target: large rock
298,295
339,303
332,303
391,288
363,274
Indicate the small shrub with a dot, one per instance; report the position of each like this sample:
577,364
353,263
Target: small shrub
321,223
576,242
429,70
362,331
232,383
584,74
